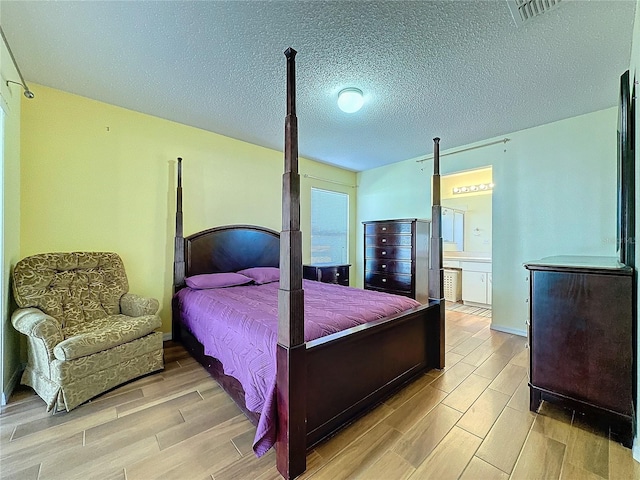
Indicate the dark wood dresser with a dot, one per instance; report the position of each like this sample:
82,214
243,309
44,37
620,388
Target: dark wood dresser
327,273
396,257
582,338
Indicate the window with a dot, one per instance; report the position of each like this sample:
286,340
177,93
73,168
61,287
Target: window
329,226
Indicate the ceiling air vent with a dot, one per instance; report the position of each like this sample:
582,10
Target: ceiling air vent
524,10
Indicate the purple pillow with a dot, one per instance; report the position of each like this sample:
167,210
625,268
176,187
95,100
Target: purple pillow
216,280
262,274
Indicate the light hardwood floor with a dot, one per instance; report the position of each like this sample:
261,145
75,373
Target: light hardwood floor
469,421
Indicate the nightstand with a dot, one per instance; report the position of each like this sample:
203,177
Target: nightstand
327,273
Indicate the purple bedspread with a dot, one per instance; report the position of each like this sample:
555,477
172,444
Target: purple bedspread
239,327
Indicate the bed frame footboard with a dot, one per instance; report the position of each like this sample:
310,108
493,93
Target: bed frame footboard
350,372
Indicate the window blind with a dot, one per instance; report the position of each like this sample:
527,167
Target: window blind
329,226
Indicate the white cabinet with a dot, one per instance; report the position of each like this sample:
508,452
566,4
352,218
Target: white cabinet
476,283
474,286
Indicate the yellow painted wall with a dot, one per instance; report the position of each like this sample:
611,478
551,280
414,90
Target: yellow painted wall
10,98
100,177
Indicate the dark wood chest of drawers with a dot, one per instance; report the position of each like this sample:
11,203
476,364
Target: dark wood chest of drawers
582,338
396,257
327,273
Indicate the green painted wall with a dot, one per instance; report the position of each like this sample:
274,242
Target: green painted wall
555,193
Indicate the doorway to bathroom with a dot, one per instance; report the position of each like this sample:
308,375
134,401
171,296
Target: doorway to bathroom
467,201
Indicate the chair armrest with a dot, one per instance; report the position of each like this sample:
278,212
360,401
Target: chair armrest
137,306
35,323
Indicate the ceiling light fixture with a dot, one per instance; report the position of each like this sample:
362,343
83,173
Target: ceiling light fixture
350,100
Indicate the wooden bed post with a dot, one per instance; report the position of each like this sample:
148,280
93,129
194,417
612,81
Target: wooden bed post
436,273
178,259
291,447
178,250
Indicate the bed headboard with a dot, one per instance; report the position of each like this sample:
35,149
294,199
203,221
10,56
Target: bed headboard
220,249
231,248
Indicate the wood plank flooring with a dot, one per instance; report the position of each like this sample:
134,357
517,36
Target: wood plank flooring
470,421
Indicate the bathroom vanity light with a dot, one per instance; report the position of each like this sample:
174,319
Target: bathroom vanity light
482,187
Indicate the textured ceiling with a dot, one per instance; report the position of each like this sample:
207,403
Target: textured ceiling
460,70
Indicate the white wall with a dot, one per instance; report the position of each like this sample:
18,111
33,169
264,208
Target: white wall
554,194
477,221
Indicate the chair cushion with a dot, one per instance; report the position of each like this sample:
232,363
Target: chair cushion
65,372
92,337
71,287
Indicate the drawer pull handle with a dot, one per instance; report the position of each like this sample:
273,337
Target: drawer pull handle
384,240
384,252
337,274
384,280
384,229
384,266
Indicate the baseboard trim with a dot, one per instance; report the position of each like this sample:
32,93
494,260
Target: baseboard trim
513,331
477,305
636,449
11,385
166,337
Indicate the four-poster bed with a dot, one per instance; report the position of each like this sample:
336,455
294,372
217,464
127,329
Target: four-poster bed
321,382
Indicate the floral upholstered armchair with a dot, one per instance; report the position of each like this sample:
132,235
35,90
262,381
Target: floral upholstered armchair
85,333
